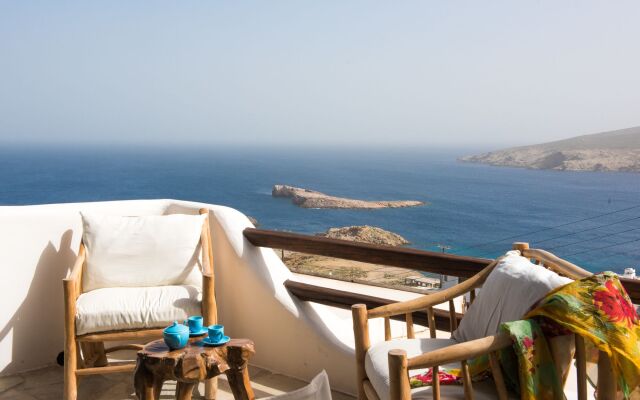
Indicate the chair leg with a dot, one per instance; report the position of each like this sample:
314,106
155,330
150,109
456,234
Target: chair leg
399,388
70,391
70,367
362,344
86,360
93,354
101,355
210,388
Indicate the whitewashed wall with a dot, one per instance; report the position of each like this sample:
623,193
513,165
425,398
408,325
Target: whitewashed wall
38,245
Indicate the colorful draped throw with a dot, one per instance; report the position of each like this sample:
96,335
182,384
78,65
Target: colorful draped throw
597,308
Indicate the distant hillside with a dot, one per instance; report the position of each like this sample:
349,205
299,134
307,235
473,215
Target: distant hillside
607,151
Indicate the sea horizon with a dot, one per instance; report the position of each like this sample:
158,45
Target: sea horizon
472,209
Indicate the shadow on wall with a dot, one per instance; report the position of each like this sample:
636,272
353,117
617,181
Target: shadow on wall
37,325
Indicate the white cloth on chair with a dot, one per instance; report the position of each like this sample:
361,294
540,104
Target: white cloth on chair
513,287
141,251
109,309
510,290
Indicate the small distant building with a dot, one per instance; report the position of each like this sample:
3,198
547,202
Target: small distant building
422,281
629,273
447,281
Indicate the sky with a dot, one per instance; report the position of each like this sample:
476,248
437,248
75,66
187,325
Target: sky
309,73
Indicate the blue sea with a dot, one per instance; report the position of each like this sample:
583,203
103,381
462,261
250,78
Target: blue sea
473,209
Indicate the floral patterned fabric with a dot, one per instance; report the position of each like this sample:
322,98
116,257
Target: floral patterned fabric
596,307
446,377
478,369
528,366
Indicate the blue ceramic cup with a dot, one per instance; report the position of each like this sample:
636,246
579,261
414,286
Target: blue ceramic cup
216,333
195,323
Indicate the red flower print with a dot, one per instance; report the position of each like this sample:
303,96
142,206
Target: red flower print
444,377
615,305
527,342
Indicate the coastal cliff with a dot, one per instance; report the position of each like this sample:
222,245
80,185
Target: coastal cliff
366,234
312,199
355,271
616,151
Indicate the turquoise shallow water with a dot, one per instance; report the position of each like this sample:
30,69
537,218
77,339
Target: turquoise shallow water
471,207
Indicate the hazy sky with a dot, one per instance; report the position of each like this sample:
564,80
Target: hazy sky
317,72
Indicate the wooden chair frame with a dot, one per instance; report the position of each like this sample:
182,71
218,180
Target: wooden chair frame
400,364
92,358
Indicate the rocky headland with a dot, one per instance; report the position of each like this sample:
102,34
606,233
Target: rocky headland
355,271
312,199
615,151
366,234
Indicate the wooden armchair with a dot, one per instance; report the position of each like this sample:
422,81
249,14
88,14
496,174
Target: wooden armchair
446,351
85,353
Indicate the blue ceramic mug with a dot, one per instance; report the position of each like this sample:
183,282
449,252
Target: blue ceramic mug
216,333
195,323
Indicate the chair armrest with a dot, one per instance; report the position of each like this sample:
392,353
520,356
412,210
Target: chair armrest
460,352
556,263
433,299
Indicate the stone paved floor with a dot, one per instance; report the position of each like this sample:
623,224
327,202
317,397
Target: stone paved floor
46,384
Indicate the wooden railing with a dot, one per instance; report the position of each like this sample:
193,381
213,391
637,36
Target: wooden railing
344,299
419,260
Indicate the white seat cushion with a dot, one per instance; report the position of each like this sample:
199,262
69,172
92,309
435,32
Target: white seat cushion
377,368
152,250
111,309
512,288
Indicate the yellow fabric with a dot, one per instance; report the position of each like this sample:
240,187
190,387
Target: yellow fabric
599,309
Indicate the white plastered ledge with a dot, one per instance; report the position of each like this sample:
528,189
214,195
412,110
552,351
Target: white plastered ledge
38,246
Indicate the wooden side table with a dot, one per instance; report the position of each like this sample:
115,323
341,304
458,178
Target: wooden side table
156,363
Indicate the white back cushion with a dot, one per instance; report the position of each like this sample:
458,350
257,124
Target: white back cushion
318,389
144,251
512,288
